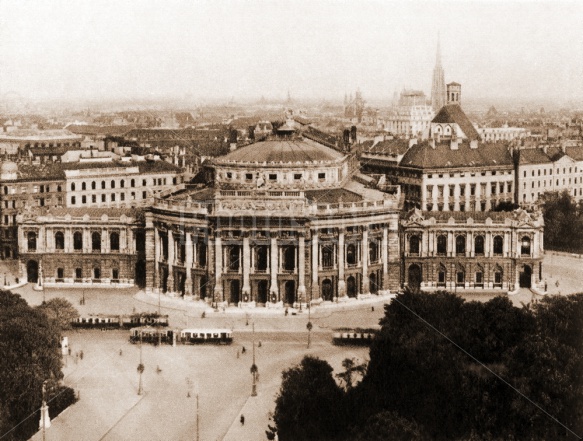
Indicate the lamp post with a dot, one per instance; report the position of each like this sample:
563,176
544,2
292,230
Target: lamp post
254,368
140,367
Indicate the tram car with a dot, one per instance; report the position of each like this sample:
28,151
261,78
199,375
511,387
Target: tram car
195,336
354,337
157,335
150,334
105,321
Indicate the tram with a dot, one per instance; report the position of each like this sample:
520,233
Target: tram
110,321
156,335
356,337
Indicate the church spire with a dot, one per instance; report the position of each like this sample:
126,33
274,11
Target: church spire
438,92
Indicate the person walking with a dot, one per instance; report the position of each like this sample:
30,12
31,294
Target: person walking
242,420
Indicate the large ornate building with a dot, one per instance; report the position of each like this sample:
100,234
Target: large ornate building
285,220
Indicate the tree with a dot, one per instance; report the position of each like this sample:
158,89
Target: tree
61,311
353,371
389,426
29,344
309,403
562,218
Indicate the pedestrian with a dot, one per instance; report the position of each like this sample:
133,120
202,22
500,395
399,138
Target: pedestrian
286,312
372,309
120,352
545,286
244,350
557,283
69,350
81,355
259,344
242,419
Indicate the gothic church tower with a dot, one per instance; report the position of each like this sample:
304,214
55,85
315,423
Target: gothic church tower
438,92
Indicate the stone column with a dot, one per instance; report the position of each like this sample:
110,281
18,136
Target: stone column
341,281
385,256
301,267
364,256
246,267
470,252
315,292
218,268
157,252
450,243
434,194
105,248
188,263
506,238
274,267
170,283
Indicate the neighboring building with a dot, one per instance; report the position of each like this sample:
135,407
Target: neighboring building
488,250
451,122
82,246
354,107
548,169
286,222
23,188
42,145
504,133
412,116
117,184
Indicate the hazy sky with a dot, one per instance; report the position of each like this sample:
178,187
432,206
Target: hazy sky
313,48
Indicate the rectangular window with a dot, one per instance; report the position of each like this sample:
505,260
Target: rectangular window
83,199
144,195
272,177
248,176
94,198
122,196
73,200
297,176
462,190
113,197
321,176
103,198
473,189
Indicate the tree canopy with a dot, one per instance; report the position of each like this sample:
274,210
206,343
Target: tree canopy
29,348
563,222
443,368
60,311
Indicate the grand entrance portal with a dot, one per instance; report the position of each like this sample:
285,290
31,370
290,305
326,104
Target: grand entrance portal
290,292
235,290
525,276
32,271
414,280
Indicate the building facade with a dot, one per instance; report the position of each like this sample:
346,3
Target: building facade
82,247
452,251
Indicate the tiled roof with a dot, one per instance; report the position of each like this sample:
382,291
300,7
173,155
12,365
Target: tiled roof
393,147
332,196
93,130
575,152
533,156
199,194
453,113
555,153
423,156
283,150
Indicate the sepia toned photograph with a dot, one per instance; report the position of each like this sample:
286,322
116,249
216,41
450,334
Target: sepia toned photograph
326,220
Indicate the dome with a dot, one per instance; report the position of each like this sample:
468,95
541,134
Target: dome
9,167
283,150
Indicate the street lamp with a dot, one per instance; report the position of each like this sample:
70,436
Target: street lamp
254,369
140,367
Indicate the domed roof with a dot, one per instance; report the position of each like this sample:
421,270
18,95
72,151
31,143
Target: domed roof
9,167
283,150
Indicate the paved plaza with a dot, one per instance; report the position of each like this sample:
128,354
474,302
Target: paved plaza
107,381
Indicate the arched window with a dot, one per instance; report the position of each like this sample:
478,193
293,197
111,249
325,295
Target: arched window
31,239
373,251
261,258
441,244
73,186
441,276
525,246
201,254
351,254
78,241
95,241
59,240
414,245
498,245
289,258
93,185
83,186
479,245
114,241
460,244
234,258
103,185
122,183
327,256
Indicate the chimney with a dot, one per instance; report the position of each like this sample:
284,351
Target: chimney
564,146
432,143
474,144
232,146
453,144
412,142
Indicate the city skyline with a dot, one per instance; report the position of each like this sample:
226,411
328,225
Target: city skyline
200,50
